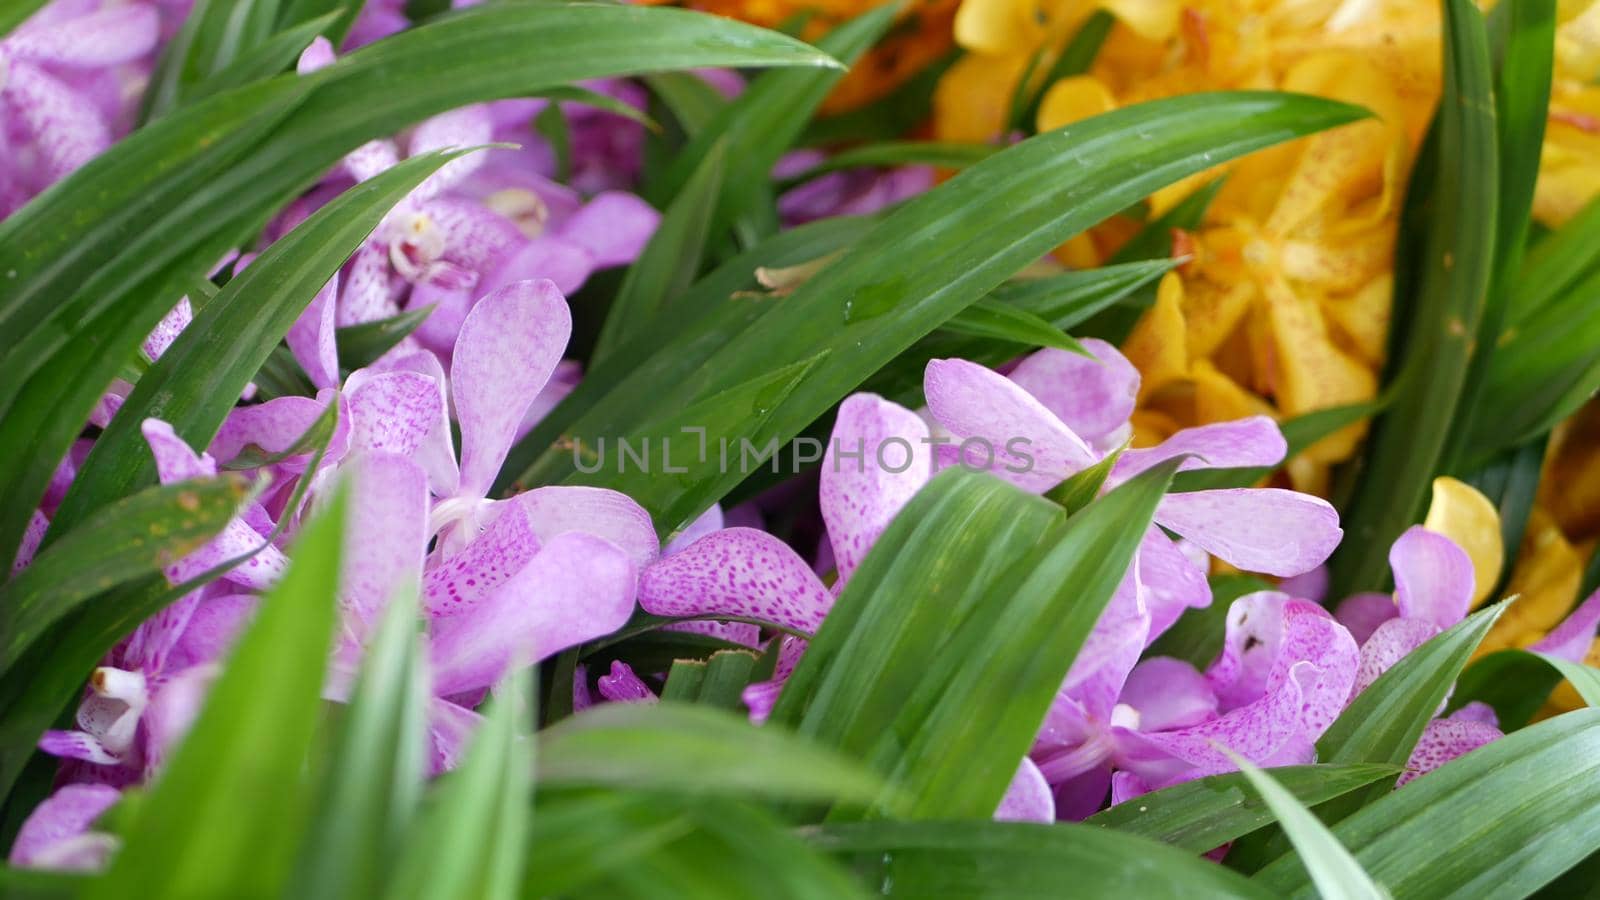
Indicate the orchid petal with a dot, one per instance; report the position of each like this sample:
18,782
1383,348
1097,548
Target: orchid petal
1572,639
1092,396
437,452
509,345
1432,577
1363,613
56,834
366,295
1030,446
704,524
1388,645
859,498
32,538
578,588
494,557
621,685
79,745
1259,530
459,129
1251,442
211,629
312,337
172,710
393,412
274,427
613,227
738,572
66,128
450,729
1172,582
1168,694
111,36
566,263
1028,798
1442,741
559,509
386,533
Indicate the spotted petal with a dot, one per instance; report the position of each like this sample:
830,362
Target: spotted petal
386,533
877,459
1242,443
56,835
737,572
509,345
466,577
560,509
578,588
393,412
613,227
1031,447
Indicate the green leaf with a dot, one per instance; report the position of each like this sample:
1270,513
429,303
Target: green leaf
470,842
374,780
1008,859
197,381
1206,813
247,749
129,539
762,123
163,205
316,436
931,257
272,56
990,318
946,154
689,749
1511,482
1557,263
1514,682
692,100
1078,491
1585,679
1075,59
1526,58
14,12
728,673
1452,279
669,262
213,36
361,345
1499,822
604,102
1332,869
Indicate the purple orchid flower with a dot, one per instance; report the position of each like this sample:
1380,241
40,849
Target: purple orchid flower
57,835
63,96
850,192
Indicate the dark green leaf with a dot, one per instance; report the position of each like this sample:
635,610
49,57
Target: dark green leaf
361,345
1079,490
213,36
604,102
1007,859
1514,682
1455,266
988,318
1206,813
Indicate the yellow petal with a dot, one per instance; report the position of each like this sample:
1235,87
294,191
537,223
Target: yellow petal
973,98
998,26
1212,310
1363,317
1307,371
1072,99
1157,345
1464,515
1545,582
1153,19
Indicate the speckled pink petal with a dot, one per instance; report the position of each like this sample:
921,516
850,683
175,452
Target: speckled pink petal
366,294
450,729
1432,576
1312,635
493,558
1267,530
175,459
1091,396
371,159
442,326
621,685
1168,693
1028,798
475,237
211,630
56,834
613,227
437,453
1250,442
1252,634
704,524
150,644
1388,645
733,632
111,36
167,330
566,263
1110,651
1572,639
393,412
458,129
1363,613
312,337
509,345
737,572
386,534
66,129
559,509
1172,582
759,698
1442,741
1031,447
578,588
79,745
877,458
32,537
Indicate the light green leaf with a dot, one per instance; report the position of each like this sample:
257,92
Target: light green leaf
988,318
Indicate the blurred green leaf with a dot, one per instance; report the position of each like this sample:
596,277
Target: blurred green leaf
946,154
1013,860
1557,264
1206,813
134,537
213,36
1514,683
224,817
603,102
470,842
1497,823
989,318
690,749
1510,481
14,12
373,783
1452,281
1331,868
